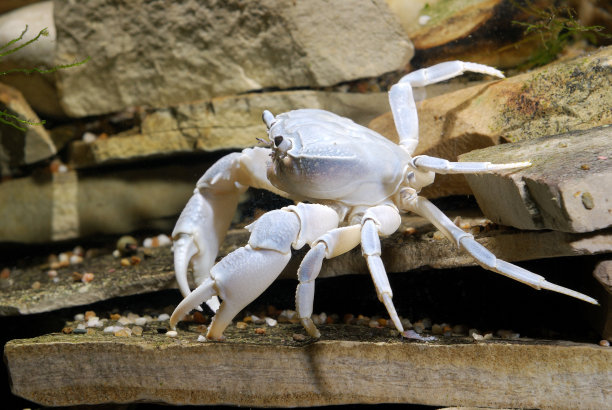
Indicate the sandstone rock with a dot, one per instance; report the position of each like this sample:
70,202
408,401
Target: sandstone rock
335,370
400,252
39,90
481,31
567,188
192,51
570,95
220,124
19,147
63,206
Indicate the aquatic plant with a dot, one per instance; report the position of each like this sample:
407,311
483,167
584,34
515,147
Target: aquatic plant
13,46
555,27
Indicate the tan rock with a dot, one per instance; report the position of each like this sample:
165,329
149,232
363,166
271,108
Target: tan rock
567,187
565,96
65,206
18,147
335,370
167,56
220,124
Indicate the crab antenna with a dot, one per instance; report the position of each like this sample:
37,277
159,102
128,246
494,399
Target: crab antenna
268,118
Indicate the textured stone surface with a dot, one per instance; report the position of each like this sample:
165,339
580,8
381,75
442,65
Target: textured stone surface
18,147
46,207
567,188
158,55
400,253
273,370
223,123
564,96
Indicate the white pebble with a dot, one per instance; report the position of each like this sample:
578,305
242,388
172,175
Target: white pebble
164,240
477,336
76,259
171,333
116,253
88,137
113,329
141,321
424,19
148,243
62,169
81,326
270,322
52,273
163,316
63,257
79,316
124,320
94,322
201,338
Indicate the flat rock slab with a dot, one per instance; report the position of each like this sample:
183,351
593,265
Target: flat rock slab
567,187
401,253
348,365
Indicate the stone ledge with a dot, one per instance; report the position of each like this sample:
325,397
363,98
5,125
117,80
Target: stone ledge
274,370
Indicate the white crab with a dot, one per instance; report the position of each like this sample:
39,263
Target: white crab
355,182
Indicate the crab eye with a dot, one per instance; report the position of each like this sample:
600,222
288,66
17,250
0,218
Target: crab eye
278,140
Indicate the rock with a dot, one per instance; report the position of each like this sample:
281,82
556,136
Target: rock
220,124
332,371
17,147
46,208
603,321
481,31
161,56
565,96
400,253
567,188
39,90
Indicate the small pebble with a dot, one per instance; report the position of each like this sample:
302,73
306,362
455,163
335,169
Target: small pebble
171,333
77,276
270,322
374,324
241,325
348,318
67,330
257,320
125,262
604,342
76,259
79,317
585,167
5,274
115,316
299,337
409,231
488,336
36,285
116,254
418,327
163,316
260,331
78,250
201,338
164,240
438,236
52,273
137,330
89,137
477,336
459,330
79,331
141,321
89,314
125,332
112,329
87,277
124,321
135,260
436,329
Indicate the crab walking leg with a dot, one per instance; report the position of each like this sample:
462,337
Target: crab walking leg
442,166
380,220
330,245
482,255
402,99
245,273
203,223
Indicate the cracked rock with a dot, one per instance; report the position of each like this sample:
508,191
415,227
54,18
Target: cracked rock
567,188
